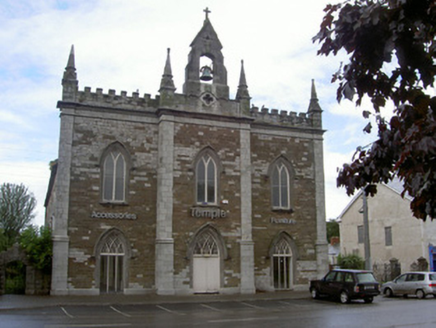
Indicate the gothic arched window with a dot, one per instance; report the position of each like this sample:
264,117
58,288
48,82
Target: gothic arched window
281,187
114,173
206,172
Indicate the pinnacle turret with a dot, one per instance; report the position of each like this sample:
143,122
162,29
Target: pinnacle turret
314,111
314,105
69,80
167,82
242,92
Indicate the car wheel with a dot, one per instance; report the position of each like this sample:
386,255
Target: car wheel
315,294
420,294
389,292
368,299
344,297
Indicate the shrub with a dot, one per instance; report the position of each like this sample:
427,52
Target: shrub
351,261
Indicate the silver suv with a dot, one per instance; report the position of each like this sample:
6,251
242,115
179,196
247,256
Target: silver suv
420,284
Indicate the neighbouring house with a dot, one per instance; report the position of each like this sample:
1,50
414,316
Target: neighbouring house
334,249
190,192
396,237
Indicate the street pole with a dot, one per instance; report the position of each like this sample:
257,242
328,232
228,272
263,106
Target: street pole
366,233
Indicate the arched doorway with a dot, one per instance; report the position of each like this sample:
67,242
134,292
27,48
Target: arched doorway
206,251
112,258
206,264
282,264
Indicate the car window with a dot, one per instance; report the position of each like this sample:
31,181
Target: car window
401,278
432,277
349,277
419,277
339,277
330,276
414,277
365,277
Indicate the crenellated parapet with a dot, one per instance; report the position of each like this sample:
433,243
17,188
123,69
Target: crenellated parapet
113,100
281,117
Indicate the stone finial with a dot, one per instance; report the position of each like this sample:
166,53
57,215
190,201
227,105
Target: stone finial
167,82
70,69
314,111
242,92
69,80
207,12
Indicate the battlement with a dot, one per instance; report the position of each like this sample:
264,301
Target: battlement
282,117
111,99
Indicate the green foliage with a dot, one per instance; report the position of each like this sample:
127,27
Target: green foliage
15,280
351,262
37,244
4,243
17,205
391,46
332,229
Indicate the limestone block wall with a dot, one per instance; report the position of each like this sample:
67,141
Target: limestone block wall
191,137
300,223
92,134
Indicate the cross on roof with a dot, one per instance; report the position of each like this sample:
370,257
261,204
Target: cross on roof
207,11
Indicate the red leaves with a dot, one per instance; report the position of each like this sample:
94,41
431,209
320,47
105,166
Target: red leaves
371,32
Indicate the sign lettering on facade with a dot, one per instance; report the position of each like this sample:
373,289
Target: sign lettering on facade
116,216
208,212
282,221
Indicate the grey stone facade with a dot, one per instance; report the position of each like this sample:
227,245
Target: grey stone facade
161,236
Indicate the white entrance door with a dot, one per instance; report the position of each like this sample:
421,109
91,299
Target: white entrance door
206,265
206,274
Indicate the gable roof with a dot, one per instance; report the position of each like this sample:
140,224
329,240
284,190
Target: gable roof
395,185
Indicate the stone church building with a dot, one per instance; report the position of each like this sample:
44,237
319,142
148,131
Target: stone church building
189,192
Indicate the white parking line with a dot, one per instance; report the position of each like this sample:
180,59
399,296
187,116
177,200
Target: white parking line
211,308
66,313
253,306
120,312
89,325
242,320
168,310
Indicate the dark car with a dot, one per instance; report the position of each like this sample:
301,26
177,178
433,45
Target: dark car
346,285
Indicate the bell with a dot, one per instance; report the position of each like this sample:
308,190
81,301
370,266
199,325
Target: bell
206,73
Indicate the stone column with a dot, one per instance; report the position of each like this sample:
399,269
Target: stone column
62,191
247,244
321,239
164,221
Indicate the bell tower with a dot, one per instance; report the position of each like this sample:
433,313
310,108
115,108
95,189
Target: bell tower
206,47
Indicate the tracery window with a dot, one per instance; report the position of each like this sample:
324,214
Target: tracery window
114,174
206,245
111,264
206,180
280,186
282,264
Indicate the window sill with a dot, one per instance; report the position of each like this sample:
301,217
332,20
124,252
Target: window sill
113,204
283,210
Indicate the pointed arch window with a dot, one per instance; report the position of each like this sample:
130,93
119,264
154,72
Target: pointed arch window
112,262
281,187
206,245
114,174
282,264
206,180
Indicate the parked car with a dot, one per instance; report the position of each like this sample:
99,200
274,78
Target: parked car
420,284
346,285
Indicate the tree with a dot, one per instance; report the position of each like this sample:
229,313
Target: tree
38,245
391,46
16,210
332,229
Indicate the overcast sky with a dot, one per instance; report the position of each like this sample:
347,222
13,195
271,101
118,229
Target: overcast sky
122,45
